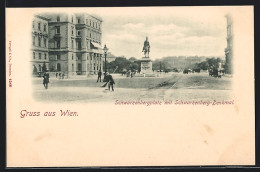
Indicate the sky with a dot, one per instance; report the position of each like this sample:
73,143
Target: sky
172,31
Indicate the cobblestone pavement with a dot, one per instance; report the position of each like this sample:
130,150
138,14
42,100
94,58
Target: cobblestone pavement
170,87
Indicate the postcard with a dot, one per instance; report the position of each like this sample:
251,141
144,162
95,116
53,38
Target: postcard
130,86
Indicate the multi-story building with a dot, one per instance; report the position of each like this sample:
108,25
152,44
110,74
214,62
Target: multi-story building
40,41
74,43
229,49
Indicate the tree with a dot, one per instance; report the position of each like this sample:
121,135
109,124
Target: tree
123,65
132,59
209,63
161,65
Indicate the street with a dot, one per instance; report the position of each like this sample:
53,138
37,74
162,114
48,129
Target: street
173,86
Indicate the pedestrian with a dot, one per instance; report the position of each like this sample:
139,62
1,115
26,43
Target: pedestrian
56,74
63,75
59,75
46,80
99,75
111,82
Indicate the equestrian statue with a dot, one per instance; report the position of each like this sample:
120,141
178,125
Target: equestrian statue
146,48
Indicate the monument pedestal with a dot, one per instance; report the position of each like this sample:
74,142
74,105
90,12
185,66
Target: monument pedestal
146,67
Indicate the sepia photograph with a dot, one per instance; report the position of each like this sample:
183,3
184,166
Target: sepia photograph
137,55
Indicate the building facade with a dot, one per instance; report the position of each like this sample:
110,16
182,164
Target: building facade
229,49
40,39
74,44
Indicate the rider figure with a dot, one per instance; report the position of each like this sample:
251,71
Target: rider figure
146,48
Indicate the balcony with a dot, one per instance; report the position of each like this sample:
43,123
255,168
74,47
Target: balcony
57,35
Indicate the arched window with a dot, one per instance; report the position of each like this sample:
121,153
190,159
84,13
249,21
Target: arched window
58,67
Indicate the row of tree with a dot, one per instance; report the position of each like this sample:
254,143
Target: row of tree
122,65
209,63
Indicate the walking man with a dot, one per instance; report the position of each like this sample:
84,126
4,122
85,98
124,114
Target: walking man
99,75
45,80
111,81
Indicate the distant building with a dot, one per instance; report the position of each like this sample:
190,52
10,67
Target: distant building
182,62
74,43
229,49
40,39
110,57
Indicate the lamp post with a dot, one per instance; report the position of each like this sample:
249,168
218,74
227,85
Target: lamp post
105,52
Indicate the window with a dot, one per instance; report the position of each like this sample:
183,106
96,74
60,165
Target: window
39,26
79,58
72,67
79,44
87,56
39,41
45,42
72,30
78,20
33,40
90,57
33,55
58,30
78,33
45,56
72,43
58,18
72,19
79,67
58,67
72,57
44,28
58,56
58,44
90,34
40,56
